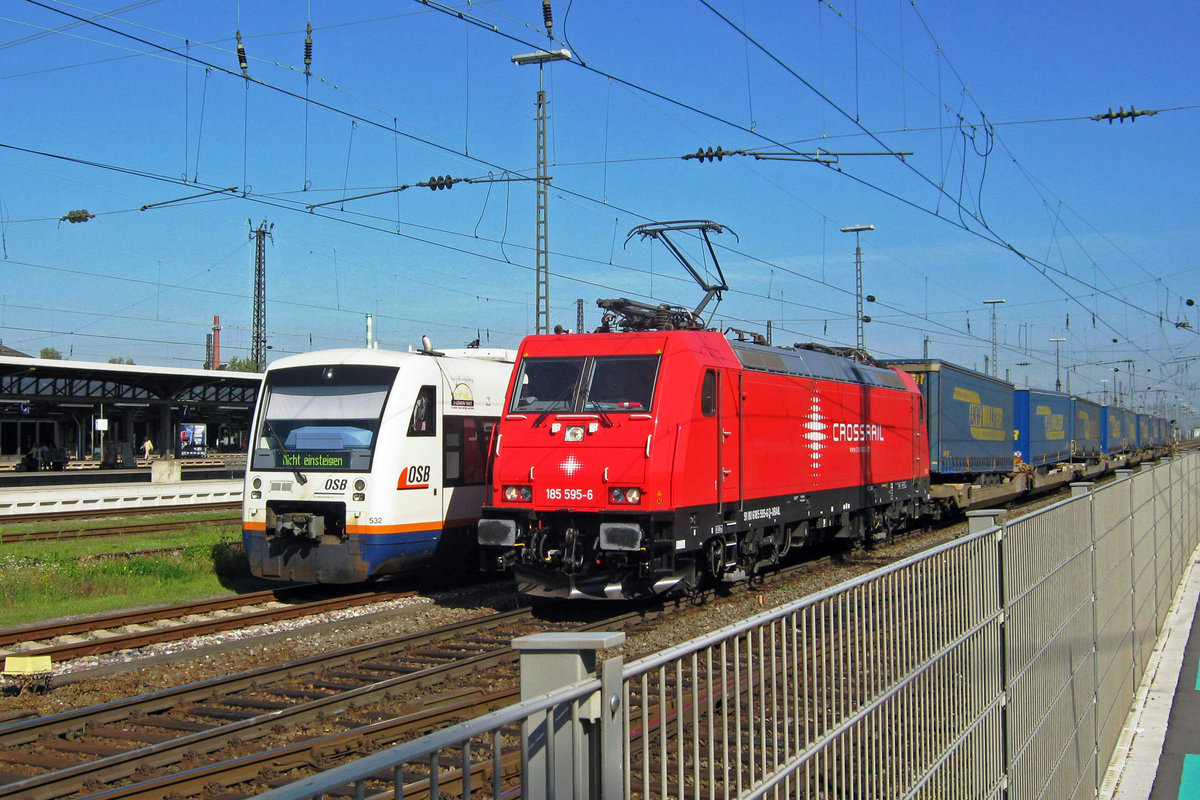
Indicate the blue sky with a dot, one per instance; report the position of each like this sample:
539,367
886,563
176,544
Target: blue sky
1007,189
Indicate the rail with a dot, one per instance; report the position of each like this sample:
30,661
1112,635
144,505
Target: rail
1002,664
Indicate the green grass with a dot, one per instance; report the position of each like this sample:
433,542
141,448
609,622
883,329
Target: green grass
44,581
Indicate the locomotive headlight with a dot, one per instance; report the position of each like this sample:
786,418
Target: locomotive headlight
518,494
360,485
256,483
625,495
574,433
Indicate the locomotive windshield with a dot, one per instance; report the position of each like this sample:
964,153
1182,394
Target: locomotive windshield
612,384
321,417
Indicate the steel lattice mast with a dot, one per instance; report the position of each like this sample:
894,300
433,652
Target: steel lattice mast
258,347
543,243
542,322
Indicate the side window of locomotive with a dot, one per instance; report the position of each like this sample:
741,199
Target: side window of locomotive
708,394
424,415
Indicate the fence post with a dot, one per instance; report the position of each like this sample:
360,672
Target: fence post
611,759
562,750
1080,493
983,519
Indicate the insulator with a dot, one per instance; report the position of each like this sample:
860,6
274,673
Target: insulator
80,215
547,17
241,53
308,50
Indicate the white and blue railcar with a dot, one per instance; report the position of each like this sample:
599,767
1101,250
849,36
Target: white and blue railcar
368,463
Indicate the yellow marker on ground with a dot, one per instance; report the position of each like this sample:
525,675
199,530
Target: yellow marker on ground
26,665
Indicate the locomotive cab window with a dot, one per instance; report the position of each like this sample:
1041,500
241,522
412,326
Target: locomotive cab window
612,384
547,384
321,417
621,383
424,414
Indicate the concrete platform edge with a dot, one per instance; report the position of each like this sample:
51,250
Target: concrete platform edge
1131,772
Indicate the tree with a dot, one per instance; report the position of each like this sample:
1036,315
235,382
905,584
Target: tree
120,360
236,364
50,352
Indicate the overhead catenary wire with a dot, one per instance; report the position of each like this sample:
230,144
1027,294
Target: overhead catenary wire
394,126
994,238
290,206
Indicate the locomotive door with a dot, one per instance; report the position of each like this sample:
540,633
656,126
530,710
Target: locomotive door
918,439
919,445
729,439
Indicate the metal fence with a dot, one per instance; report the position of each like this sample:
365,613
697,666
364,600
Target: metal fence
1001,664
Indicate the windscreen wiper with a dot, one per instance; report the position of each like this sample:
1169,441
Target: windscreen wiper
604,418
570,390
300,479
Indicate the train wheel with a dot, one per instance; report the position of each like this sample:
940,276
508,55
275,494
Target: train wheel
715,557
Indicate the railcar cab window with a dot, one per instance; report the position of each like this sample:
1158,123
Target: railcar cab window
424,420
578,384
323,417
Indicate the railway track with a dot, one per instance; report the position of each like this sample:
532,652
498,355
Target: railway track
124,747
226,736
94,513
340,705
127,630
117,529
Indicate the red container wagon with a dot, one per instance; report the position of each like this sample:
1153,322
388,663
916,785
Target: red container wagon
633,464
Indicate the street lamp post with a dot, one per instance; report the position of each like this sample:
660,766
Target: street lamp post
858,293
1057,373
543,245
993,304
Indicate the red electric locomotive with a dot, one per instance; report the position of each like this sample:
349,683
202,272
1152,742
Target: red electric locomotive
630,464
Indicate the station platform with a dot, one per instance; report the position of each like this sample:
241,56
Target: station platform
1158,757
21,501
